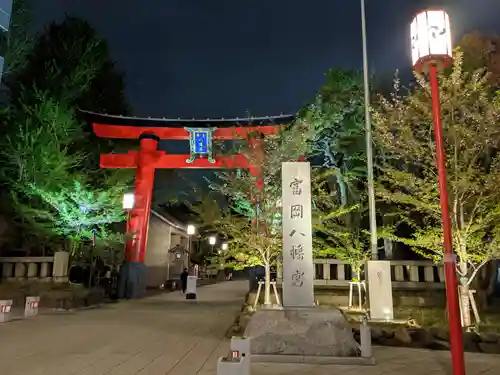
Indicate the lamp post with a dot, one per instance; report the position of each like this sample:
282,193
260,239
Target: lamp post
432,50
191,231
128,205
212,240
372,213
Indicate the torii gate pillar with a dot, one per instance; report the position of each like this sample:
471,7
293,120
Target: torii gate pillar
133,270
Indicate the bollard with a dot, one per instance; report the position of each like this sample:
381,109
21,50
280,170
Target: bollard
5,310
241,345
191,287
365,336
31,306
233,364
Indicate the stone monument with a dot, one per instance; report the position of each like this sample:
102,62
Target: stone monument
380,290
300,332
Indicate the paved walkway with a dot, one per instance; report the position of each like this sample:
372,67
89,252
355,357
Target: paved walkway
163,334
392,361
167,335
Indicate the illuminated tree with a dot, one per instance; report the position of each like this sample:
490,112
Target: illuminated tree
252,221
77,213
338,229
46,143
336,117
408,180
481,51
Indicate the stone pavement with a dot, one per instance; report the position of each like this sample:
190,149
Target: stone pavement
167,335
162,334
392,361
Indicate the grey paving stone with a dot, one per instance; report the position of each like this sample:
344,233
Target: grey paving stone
163,334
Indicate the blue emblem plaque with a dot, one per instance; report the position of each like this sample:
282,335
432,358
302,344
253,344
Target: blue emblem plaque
200,143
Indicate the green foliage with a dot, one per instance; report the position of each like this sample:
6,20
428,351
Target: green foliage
76,212
36,148
252,221
46,146
338,232
73,64
17,43
337,119
407,176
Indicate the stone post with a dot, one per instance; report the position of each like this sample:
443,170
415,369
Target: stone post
60,267
298,268
5,310
31,306
380,289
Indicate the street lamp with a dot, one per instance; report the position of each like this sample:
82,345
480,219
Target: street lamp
128,204
224,246
212,240
431,50
128,201
191,229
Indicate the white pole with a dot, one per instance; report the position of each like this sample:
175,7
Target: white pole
369,142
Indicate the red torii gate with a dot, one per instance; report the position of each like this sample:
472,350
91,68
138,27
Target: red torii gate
200,134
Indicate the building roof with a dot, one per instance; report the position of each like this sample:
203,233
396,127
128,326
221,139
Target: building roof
102,118
170,220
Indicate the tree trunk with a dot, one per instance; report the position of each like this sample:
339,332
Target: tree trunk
465,305
267,285
388,246
342,191
388,243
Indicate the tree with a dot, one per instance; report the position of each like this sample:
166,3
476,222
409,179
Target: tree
338,229
337,119
77,214
252,221
47,146
18,42
482,51
70,61
407,176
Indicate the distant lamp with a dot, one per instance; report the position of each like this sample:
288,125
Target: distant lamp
128,201
212,240
431,40
224,246
191,229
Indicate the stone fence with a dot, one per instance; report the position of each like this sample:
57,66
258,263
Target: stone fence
405,274
53,268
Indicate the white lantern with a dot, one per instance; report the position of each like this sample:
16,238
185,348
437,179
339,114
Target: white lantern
128,201
430,39
224,246
191,229
212,240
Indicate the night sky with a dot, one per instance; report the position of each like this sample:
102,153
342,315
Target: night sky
215,58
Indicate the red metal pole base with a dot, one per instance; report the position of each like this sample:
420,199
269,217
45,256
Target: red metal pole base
454,320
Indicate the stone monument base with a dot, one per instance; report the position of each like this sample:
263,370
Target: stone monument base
303,335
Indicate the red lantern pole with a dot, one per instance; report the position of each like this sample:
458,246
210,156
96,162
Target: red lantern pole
454,320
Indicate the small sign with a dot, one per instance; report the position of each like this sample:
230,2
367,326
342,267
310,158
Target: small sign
200,143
